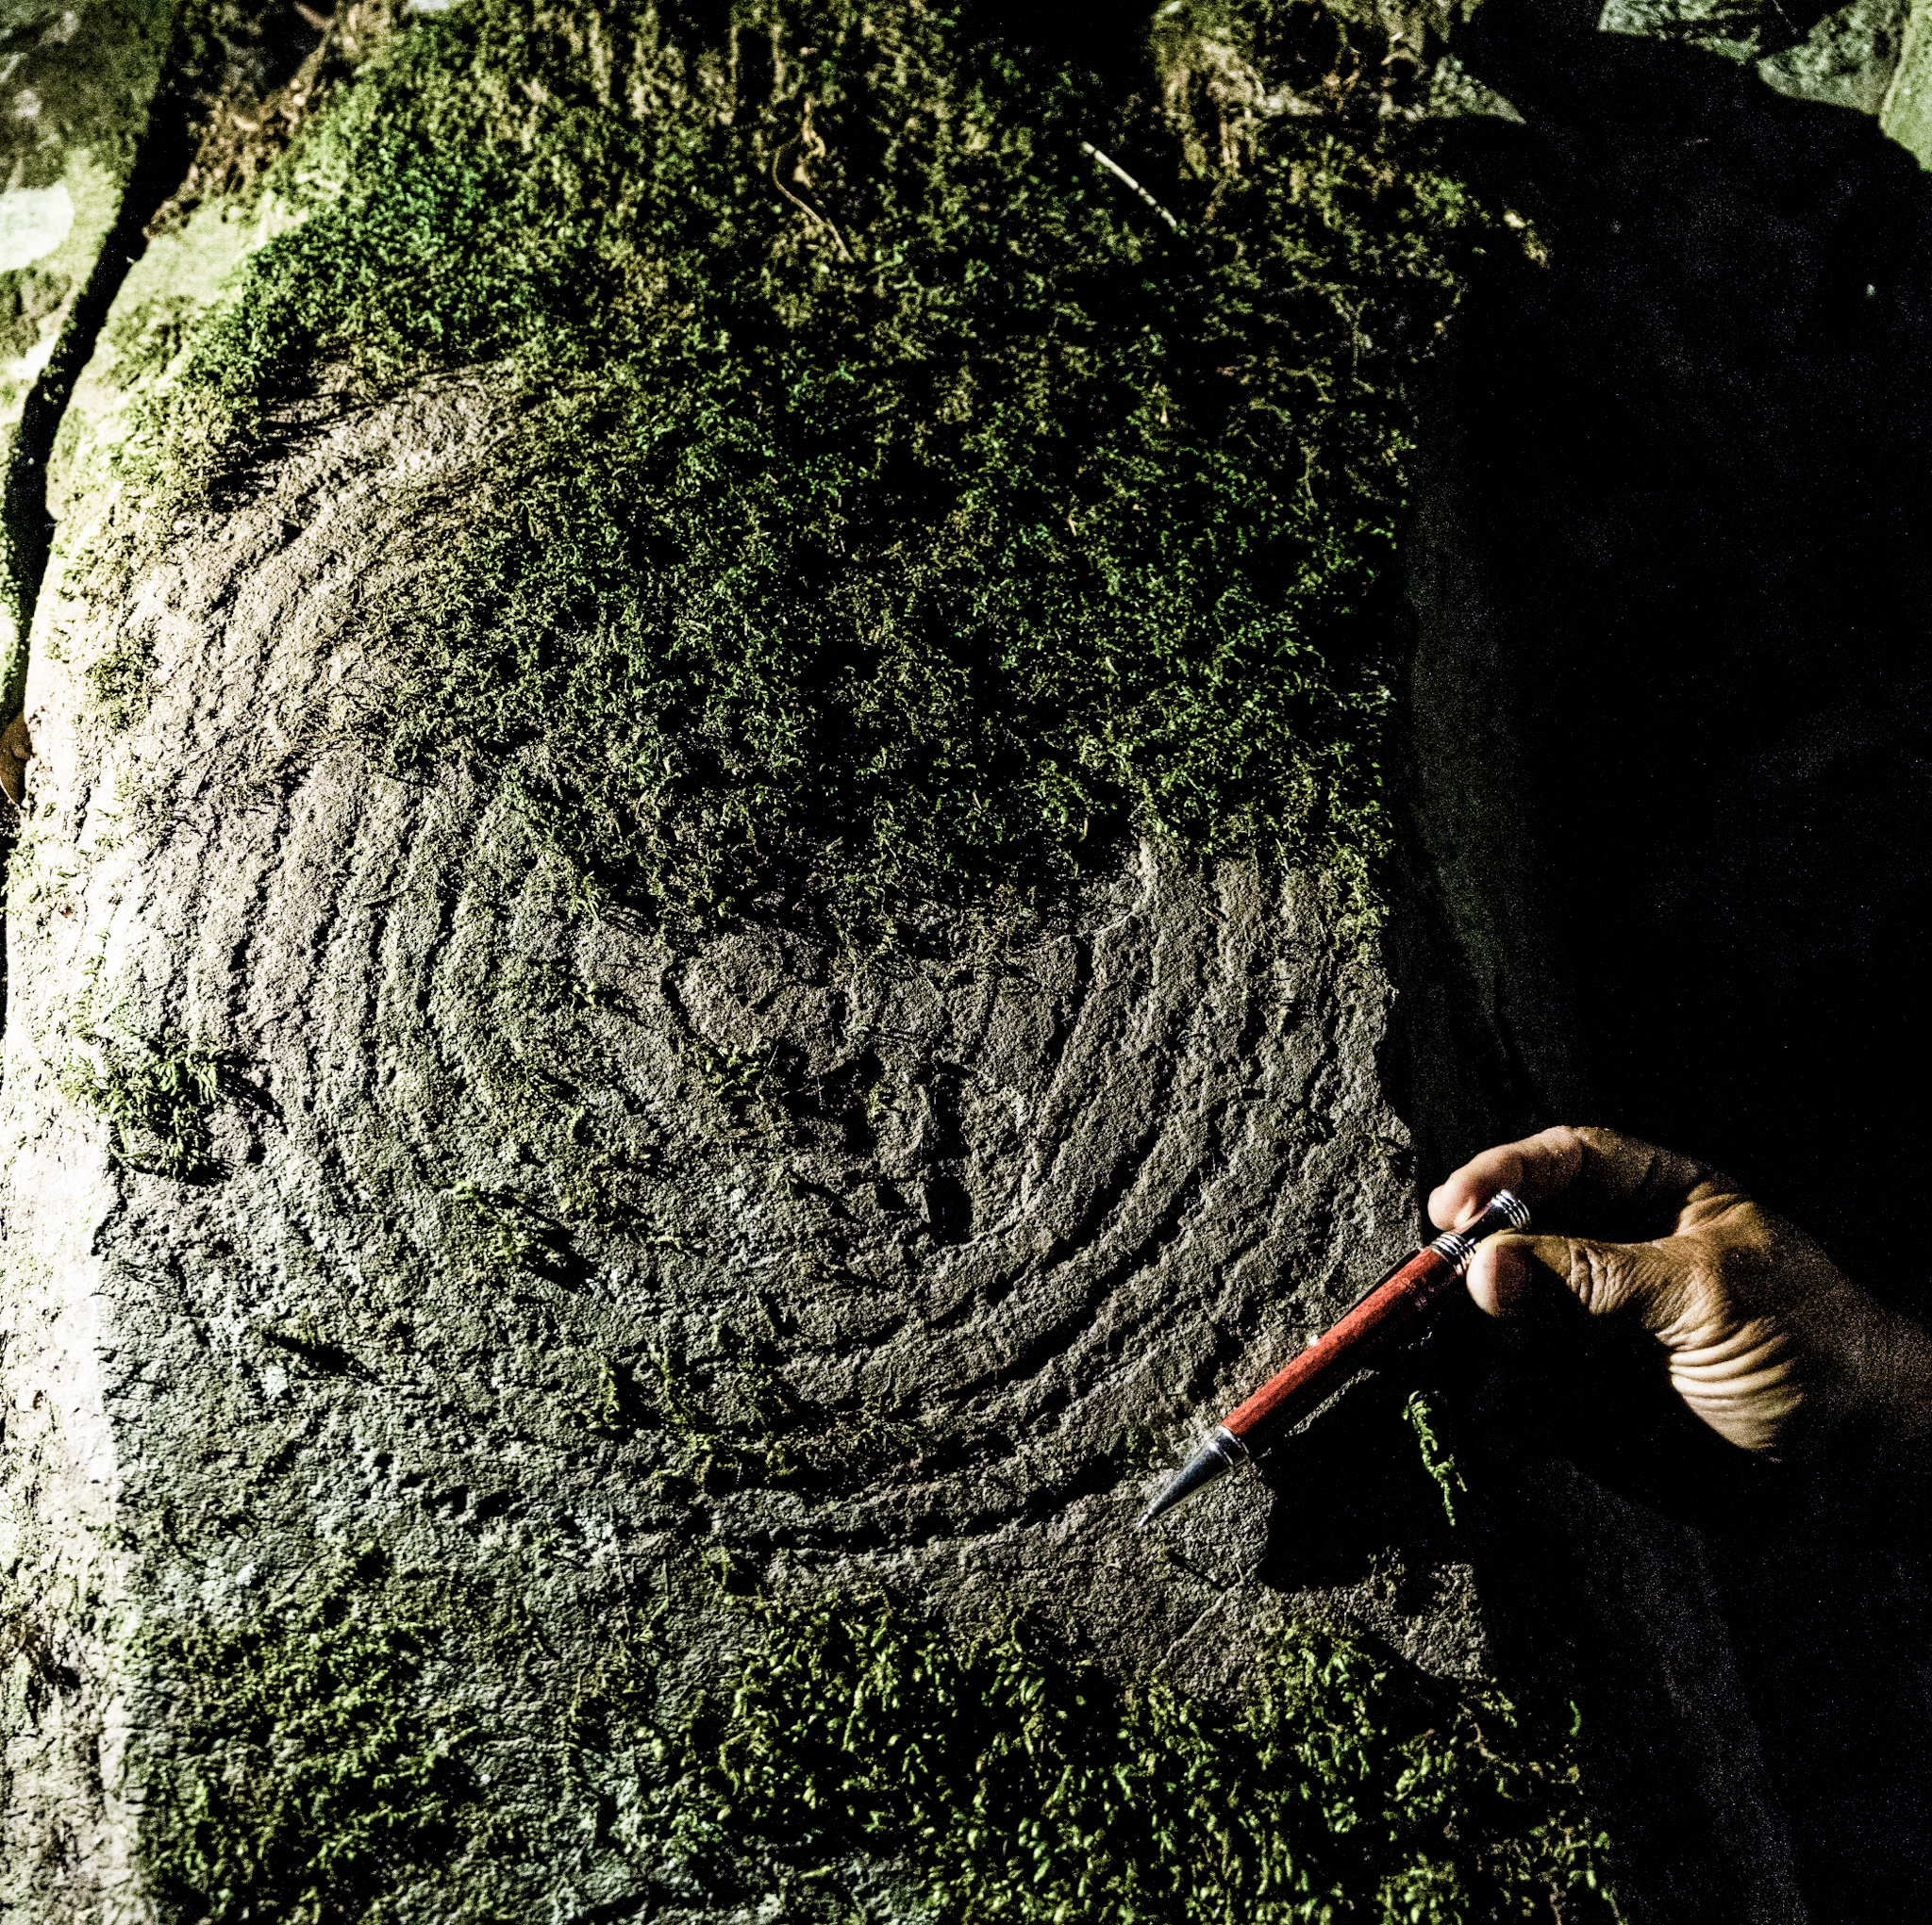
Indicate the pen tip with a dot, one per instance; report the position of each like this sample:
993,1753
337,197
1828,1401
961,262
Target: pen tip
1221,1452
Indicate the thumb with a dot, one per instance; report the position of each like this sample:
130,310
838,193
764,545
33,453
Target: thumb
1607,1278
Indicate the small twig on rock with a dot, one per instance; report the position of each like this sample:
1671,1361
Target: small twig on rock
813,147
1120,173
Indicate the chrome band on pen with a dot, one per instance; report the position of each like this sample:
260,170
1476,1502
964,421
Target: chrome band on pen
1458,1246
1227,1444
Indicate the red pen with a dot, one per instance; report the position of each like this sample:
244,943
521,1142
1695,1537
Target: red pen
1393,1310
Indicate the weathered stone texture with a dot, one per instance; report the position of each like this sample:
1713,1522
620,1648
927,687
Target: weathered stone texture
603,1267
1021,1209
1907,106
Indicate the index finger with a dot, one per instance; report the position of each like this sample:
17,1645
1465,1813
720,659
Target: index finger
1592,1169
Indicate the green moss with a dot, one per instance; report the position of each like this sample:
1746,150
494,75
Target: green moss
121,679
154,1093
853,1760
1425,1419
89,69
313,1774
29,298
1000,1779
1231,66
503,1234
897,504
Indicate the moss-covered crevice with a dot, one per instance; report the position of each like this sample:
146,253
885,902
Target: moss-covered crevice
151,169
83,108
901,505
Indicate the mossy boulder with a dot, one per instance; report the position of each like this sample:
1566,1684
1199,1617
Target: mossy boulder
695,963
1907,109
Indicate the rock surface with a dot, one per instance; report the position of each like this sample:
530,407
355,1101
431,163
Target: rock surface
1012,1214
1908,108
367,1205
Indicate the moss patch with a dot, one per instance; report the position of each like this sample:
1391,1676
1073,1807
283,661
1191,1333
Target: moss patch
1001,1780
313,1773
900,505
80,76
1425,1418
154,1092
858,1762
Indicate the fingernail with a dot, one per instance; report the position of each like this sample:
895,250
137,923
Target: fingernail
1481,1278
1509,1272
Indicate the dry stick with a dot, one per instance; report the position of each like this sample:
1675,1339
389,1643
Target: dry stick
809,141
1120,173
806,206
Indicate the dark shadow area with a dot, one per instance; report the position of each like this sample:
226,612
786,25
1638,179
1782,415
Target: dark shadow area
264,46
1673,700
1348,1486
1672,714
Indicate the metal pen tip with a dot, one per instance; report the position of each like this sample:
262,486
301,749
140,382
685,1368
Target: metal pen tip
1222,1451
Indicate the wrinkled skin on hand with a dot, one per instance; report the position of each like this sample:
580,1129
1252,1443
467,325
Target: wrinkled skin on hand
1766,1338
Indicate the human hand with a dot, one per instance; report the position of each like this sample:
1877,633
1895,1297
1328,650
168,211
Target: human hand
1763,1333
